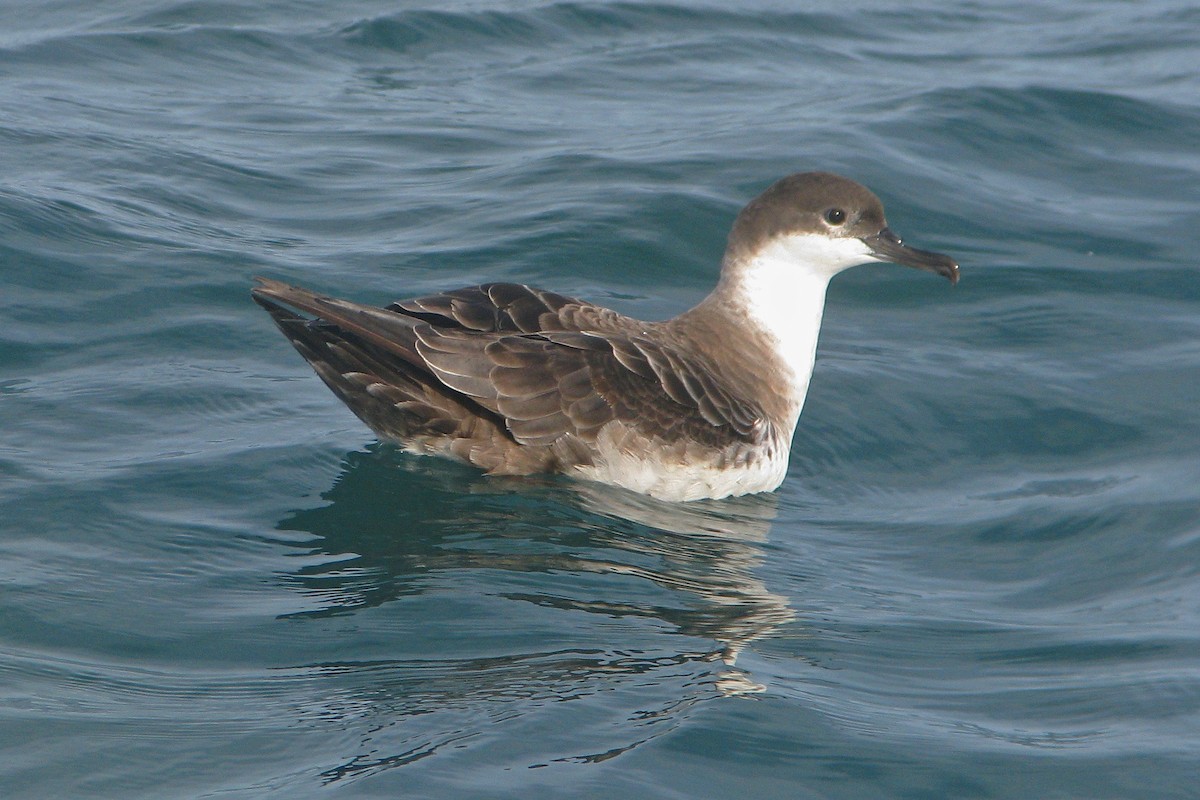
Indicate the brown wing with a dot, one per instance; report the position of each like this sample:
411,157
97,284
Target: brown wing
509,308
546,365
553,384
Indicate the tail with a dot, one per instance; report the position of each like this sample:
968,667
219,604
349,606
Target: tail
368,357
387,330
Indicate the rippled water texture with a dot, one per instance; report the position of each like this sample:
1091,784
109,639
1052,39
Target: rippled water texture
980,579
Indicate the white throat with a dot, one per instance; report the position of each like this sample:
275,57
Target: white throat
783,288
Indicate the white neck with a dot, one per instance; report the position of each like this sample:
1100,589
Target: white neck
783,290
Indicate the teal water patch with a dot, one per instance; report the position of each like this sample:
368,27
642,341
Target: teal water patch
978,579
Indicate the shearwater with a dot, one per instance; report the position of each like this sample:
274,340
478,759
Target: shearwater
517,380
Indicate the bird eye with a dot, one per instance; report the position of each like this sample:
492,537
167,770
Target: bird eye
835,216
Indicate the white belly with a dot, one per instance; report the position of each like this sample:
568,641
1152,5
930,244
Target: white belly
696,477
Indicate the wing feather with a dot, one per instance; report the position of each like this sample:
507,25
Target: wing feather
551,367
571,383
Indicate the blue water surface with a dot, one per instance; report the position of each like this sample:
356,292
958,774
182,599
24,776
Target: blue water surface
981,578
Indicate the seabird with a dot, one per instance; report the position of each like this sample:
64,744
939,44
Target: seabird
517,380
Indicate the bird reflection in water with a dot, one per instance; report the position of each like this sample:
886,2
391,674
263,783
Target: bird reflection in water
634,566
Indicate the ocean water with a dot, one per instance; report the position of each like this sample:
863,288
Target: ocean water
981,578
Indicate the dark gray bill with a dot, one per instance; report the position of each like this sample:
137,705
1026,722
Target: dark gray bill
887,246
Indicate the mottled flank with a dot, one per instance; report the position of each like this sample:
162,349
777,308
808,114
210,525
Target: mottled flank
517,381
